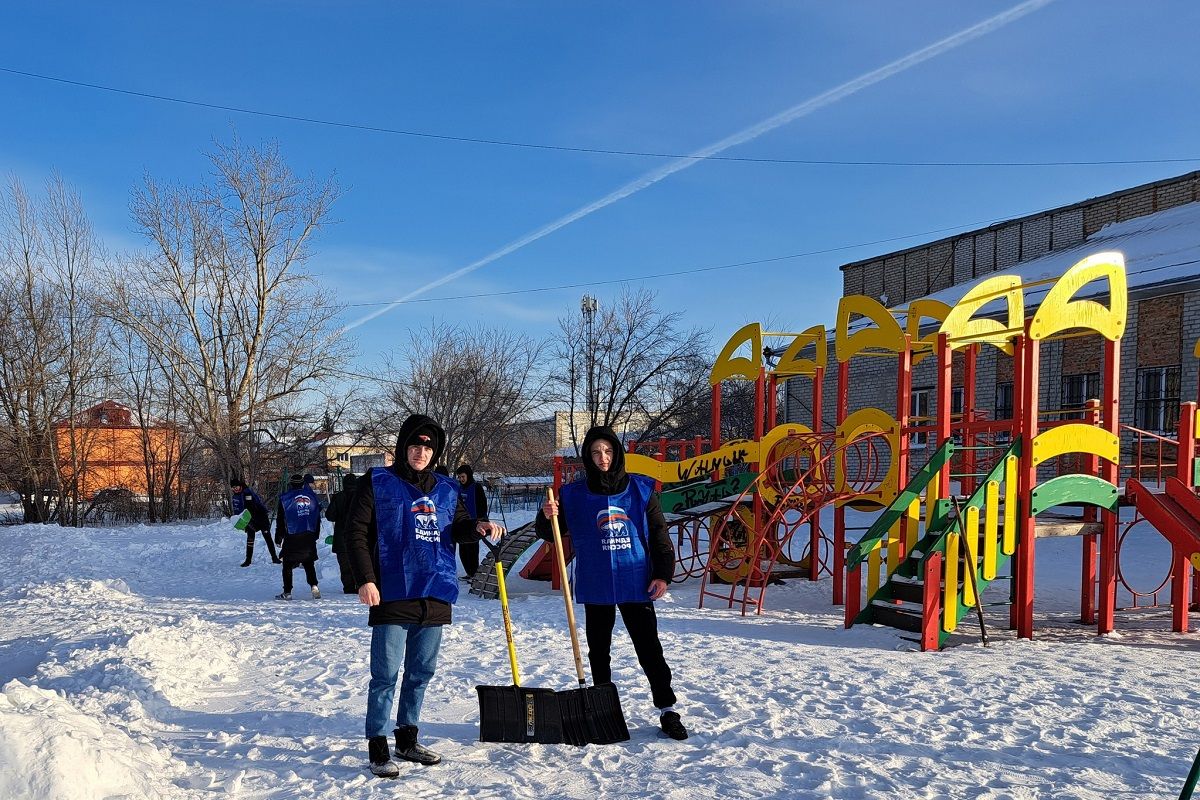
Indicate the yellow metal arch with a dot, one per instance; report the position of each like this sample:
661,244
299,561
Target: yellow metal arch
885,335
1076,437
919,310
1196,349
792,364
727,366
776,436
1058,312
861,422
962,330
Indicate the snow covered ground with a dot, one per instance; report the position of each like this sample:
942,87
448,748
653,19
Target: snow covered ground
143,663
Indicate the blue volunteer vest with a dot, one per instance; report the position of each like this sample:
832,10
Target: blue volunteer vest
416,550
609,534
301,511
242,500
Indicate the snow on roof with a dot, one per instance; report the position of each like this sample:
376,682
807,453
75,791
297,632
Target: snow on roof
1159,248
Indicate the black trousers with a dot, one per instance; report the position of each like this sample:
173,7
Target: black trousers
310,573
349,585
468,553
250,543
642,624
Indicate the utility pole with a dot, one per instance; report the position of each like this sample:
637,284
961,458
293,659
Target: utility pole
588,306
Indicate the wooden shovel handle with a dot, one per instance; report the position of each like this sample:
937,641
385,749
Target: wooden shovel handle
566,592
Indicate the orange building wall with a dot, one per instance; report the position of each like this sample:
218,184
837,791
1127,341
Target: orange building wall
111,457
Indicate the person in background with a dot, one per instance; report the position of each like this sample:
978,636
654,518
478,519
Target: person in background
476,503
623,560
400,534
339,505
242,497
297,526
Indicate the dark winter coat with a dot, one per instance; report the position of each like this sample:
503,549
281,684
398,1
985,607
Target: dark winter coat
339,504
259,518
612,482
361,535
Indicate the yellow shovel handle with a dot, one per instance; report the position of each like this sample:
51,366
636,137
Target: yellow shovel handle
508,631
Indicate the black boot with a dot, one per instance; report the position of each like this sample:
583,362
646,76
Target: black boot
249,554
382,765
672,726
408,749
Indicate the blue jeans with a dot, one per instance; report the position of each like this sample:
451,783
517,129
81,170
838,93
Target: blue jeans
415,645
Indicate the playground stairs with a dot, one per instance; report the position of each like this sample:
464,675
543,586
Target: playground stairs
1174,512
968,532
512,547
900,602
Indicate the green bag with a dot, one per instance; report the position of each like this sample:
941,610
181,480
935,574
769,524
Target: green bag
241,522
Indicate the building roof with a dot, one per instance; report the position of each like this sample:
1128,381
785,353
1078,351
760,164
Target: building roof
1161,250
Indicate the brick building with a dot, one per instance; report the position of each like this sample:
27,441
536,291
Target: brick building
1156,226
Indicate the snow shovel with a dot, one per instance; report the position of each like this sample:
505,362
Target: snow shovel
241,522
516,713
590,714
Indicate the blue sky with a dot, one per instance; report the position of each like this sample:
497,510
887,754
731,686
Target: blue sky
1074,80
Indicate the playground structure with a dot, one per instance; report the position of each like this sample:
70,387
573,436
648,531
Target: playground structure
745,513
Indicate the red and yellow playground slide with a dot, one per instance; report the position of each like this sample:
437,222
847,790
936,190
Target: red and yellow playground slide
1174,512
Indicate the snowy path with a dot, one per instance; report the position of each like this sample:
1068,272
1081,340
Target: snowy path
142,663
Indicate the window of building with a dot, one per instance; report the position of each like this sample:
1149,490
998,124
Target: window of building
918,411
1157,402
1004,400
1077,390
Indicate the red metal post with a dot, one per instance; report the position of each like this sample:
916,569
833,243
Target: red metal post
1087,581
931,604
772,400
1181,573
1030,352
945,382
853,593
841,411
969,461
1109,408
903,404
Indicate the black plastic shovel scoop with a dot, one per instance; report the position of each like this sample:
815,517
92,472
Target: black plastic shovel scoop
590,714
516,713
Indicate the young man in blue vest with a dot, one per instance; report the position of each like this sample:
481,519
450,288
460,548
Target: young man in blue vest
623,560
297,527
400,533
241,498
476,502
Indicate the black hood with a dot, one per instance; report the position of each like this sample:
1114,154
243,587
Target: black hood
465,469
348,481
615,480
414,425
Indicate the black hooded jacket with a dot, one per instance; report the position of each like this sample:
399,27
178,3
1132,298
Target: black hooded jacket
339,504
615,481
361,536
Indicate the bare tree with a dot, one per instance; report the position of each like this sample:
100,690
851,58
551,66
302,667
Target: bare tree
51,361
628,363
223,303
476,382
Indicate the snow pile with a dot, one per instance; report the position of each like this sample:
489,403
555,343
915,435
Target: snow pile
49,749
143,662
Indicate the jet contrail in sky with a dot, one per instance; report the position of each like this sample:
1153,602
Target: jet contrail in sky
741,137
